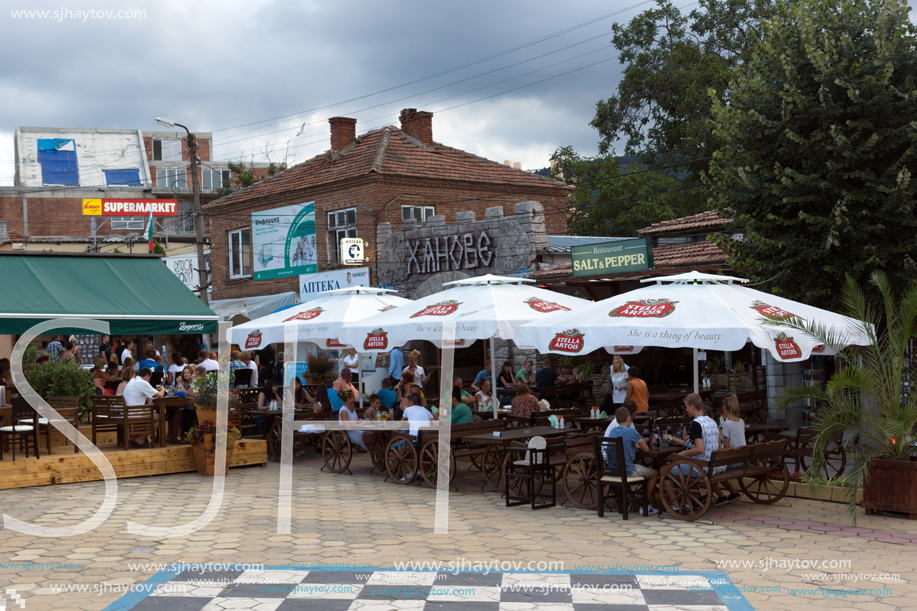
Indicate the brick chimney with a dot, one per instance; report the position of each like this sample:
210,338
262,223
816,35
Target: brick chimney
418,125
343,132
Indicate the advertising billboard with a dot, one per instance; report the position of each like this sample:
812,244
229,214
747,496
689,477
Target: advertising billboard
612,257
283,242
129,207
312,286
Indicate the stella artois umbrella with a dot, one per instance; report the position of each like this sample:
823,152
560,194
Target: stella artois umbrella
318,321
692,310
483,307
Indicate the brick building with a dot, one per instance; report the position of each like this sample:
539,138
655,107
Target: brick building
388,179
56,168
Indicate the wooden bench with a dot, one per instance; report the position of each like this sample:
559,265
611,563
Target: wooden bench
759,470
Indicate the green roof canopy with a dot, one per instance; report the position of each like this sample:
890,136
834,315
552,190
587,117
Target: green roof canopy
135,294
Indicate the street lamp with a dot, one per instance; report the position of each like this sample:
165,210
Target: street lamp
196,203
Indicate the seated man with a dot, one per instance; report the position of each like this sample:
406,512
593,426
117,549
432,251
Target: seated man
484,374
631,440
205,361
387,395
235,364
461,413
547,377
139,392
526,375
703,439
343,383
148,361
375,406
631,408
464,397
416,415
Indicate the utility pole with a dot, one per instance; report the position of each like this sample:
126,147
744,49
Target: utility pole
196,204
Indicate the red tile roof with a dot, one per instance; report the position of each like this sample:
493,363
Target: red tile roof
687,224
390,151
665,259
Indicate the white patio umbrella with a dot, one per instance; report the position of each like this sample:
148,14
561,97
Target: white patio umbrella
483,307
693,310
318,321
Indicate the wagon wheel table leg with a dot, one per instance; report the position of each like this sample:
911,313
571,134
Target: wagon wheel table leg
492,466
835,459
429,463
579,481
685,496
401,460
336,451
377,451
275,441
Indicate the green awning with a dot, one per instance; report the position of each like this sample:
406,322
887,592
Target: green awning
135,294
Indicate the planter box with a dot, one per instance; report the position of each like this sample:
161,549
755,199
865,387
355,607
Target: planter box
892,486
205,457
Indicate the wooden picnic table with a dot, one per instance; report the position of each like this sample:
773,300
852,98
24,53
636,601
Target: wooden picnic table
659,456
754,432
495,454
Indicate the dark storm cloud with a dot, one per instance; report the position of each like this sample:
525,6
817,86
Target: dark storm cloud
215,65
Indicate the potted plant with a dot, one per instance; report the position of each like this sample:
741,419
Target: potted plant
61,380
864,399
204,440
566,365
322,370
206,391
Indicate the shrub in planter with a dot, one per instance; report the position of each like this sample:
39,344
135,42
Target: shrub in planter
204,440
206,391
864,399
63,380
321,369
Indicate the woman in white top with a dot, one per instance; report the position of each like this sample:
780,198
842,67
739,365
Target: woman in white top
348,414
414,368
618,382
352,361
484,397
175,369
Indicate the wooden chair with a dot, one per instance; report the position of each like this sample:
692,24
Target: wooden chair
136,421
68,408
242,378
21,410
615,474
106,415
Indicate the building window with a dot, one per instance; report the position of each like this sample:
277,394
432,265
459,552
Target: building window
57,158
341,224
132,224
240,253
172,178
212,180
419,213
166,150
124,178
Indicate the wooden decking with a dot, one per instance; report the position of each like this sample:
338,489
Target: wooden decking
64,466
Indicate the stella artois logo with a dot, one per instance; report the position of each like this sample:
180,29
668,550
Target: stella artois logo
334,343
253,340
307,315
377,339
454,342
648,308
387,308
540,305
818,349
623,348
769,311
568,341
443,308
787,348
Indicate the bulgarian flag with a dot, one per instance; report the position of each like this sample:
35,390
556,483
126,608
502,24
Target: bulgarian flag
149,230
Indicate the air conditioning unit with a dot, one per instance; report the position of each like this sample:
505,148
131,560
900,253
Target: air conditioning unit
18,245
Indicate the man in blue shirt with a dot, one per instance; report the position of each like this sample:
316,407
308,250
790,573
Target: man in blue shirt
387,395
484,374
395,365
54,349
148,361
547,377
631,440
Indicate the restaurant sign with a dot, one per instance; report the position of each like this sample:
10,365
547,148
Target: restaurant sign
612,257
129,207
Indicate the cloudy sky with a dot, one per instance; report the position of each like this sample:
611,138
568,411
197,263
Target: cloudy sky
505,79
270,74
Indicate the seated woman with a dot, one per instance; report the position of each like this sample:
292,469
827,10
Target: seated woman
525,402
578,377
348,414
126,374
99,377
268,398
301,396
484,398
401,388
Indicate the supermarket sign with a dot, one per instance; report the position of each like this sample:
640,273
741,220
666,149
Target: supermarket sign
129,207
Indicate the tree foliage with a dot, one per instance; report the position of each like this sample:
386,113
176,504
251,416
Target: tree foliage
661,108
613,202
818,149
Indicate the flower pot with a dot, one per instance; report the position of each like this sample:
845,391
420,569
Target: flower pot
205,459
209,442
892,486
205,413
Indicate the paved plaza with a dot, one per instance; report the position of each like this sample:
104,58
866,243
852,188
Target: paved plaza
350,533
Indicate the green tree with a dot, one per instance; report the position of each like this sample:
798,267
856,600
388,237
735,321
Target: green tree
818,152
608,201
245,175
661,109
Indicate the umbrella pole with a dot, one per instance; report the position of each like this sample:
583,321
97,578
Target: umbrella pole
696,369
493,379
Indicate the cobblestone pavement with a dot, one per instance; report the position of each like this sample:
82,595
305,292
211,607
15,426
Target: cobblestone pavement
795,553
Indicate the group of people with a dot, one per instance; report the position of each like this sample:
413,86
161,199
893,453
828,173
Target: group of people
701,440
